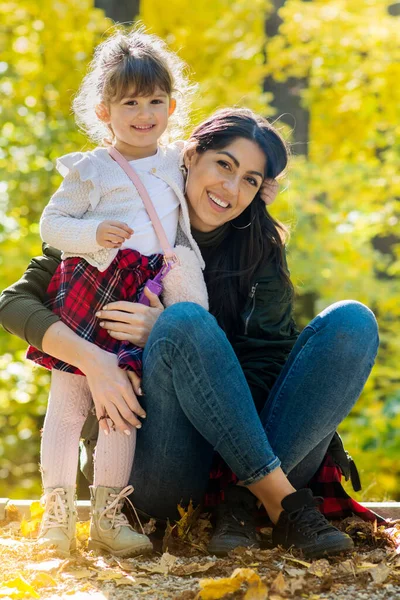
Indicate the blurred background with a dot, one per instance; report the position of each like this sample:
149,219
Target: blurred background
328,70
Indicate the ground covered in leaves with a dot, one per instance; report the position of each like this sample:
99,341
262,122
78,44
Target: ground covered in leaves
182,569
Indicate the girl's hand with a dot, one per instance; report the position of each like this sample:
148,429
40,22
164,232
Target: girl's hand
269,191
114,392
131,321
112,234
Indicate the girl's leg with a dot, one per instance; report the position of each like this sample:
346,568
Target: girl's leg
69,404
113,458
110,530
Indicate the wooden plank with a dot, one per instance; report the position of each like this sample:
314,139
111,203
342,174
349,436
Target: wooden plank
388,510
83,507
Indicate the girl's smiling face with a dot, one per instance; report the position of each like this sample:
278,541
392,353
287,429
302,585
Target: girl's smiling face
222,183
138,122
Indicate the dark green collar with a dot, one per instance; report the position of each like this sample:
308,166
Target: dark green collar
211,238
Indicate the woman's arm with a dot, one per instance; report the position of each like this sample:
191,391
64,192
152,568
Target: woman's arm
112,388
21,305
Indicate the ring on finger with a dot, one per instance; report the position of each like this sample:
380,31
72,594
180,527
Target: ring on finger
107,417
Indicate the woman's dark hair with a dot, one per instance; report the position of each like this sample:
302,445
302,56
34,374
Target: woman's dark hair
230,271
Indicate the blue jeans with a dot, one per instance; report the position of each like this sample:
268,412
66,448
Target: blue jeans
197,401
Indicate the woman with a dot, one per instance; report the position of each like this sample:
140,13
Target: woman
239,381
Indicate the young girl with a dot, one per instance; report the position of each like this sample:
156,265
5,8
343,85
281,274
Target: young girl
110,249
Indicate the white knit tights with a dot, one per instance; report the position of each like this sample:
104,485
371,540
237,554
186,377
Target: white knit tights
69,404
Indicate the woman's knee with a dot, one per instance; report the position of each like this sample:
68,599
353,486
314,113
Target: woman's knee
184,319
354,323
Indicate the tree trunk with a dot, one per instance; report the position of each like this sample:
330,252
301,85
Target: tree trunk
287,100
120,11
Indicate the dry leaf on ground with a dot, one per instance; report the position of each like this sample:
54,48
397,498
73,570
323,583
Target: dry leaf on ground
213,589
279,584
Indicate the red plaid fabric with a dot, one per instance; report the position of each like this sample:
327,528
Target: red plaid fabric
326,483
78,290
337,504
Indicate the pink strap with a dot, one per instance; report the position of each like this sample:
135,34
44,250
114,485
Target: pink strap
134,177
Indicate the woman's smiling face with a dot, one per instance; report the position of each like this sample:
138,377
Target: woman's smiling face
222,183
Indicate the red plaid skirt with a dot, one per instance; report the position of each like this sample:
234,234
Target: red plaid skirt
326,483
78,290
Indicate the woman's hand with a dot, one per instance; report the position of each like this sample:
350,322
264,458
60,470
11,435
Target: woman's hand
131,321
269,191
114,392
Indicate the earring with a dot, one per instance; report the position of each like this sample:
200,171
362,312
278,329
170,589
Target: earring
244,226
186,180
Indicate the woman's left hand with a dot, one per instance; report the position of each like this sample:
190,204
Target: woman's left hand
131,321
269,191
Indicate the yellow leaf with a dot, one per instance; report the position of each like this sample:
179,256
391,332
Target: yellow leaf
21,586
43,580
109,575
82,530
129,580
366,565
45,566
380,573
80,574
188,517
320,568
7,592
213,589
36,510
30,528
167,562
183,570
256,591
12,513
279,584
296,560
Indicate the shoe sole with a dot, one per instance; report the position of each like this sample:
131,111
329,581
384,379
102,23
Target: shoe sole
329,550
133,551
59,551
221,550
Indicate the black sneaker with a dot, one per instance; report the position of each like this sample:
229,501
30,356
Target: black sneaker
235,524
302,525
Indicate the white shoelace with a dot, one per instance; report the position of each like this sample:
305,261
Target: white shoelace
113,510
55,512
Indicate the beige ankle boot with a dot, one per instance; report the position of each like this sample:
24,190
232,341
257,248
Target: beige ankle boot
59,520
110,530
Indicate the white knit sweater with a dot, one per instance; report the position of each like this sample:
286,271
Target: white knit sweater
95,189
